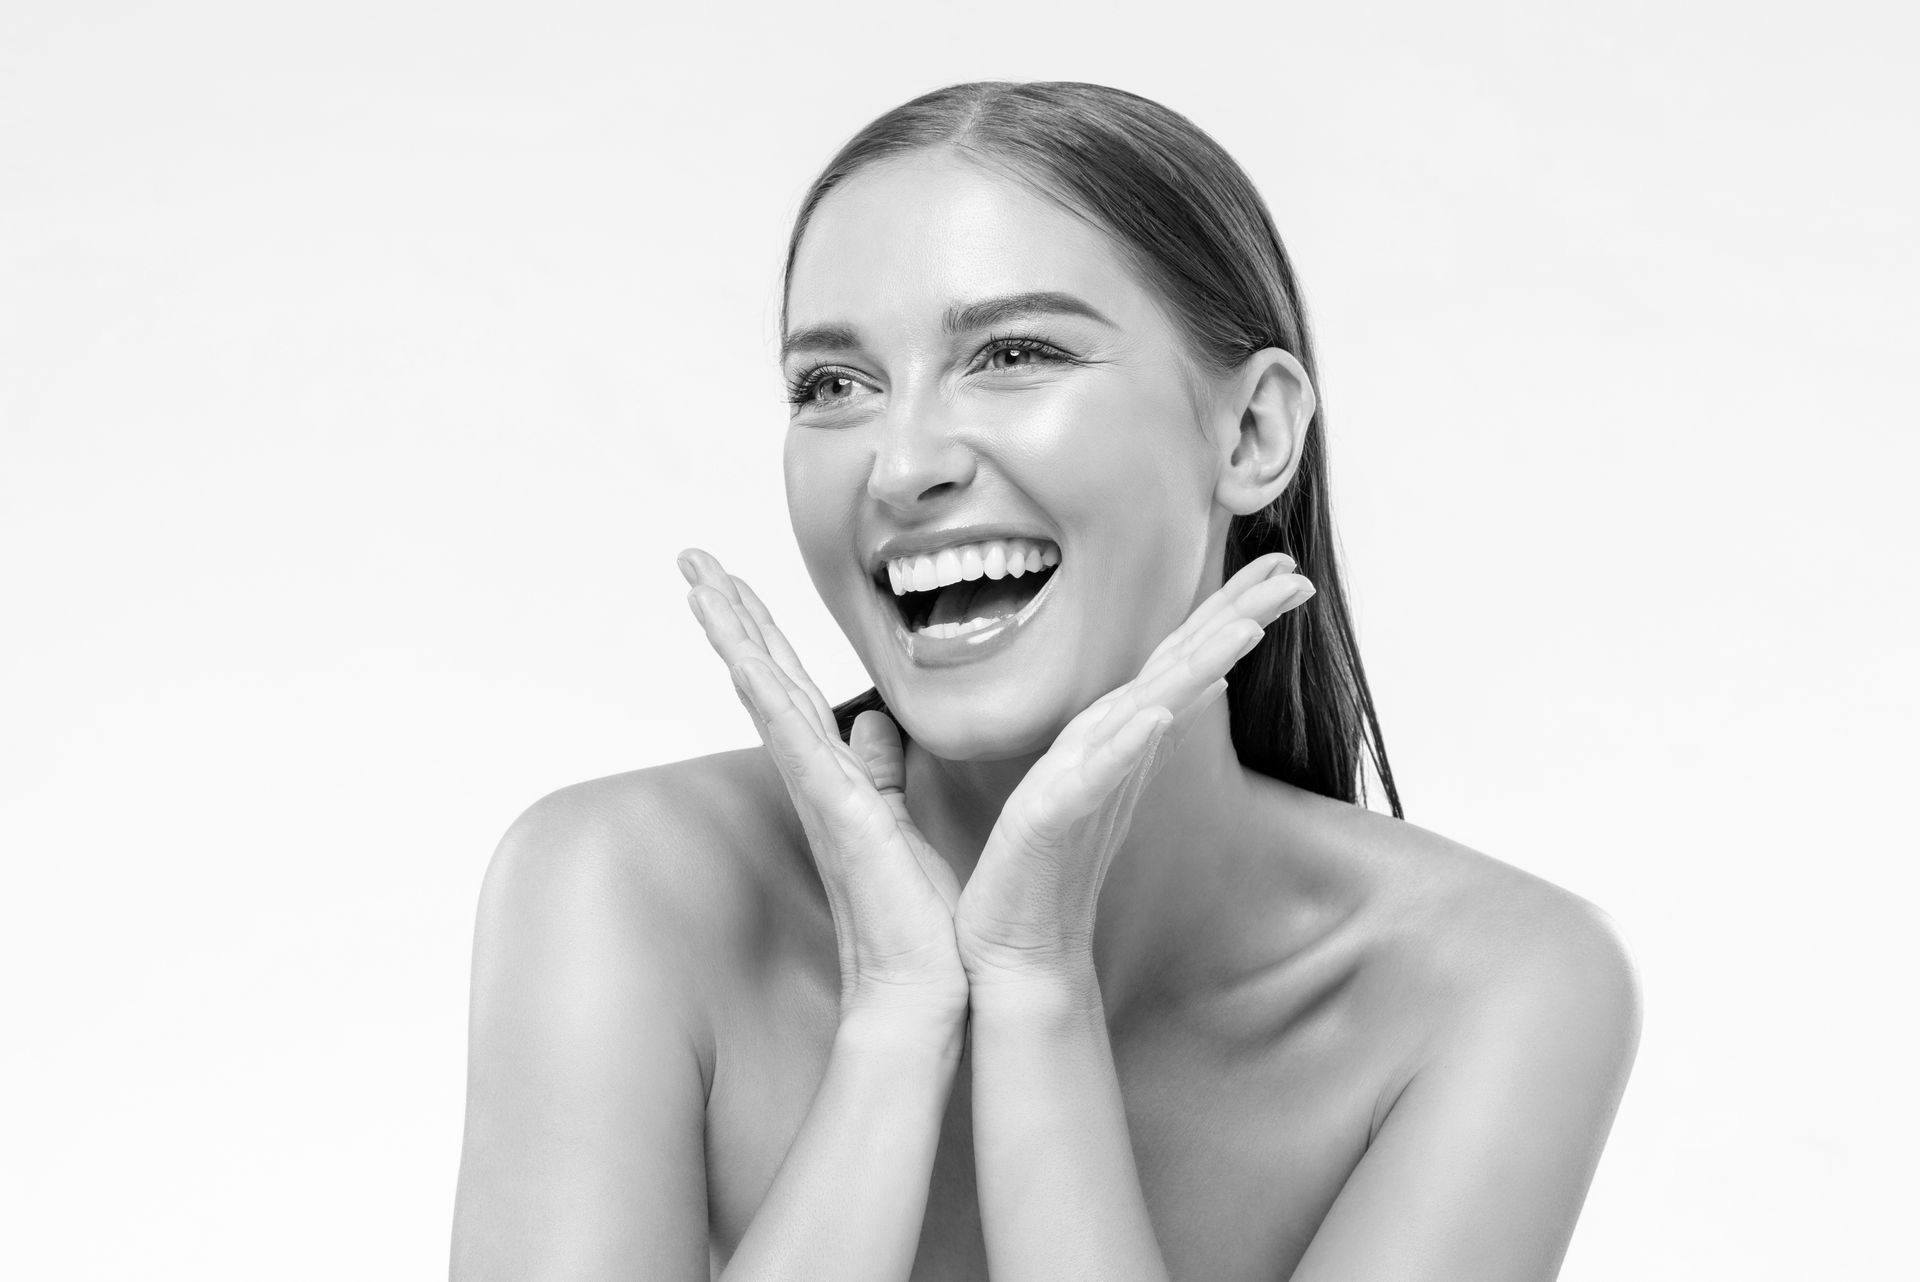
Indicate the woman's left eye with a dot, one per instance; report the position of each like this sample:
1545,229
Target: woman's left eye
1024,352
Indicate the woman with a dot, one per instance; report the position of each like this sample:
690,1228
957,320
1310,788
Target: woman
1070,950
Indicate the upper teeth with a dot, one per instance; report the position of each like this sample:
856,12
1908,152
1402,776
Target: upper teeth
994,559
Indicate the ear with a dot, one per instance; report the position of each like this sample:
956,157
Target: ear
1262,430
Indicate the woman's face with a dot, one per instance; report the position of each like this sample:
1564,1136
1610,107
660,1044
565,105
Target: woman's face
944,432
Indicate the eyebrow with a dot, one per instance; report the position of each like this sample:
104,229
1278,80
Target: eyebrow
959,318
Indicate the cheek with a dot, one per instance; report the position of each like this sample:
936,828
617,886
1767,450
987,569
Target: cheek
1132,436
824,483
1126,467
817,480
1141,498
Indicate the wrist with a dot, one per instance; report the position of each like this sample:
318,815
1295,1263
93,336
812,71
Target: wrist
1060,985
934,1030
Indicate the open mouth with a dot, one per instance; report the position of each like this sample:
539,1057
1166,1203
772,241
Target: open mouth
967,589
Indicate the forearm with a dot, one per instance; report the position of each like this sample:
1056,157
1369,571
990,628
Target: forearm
849,1198
1060,1197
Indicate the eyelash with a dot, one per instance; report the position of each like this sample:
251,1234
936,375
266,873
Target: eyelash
800,388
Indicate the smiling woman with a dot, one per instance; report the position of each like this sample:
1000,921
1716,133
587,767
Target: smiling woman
1071,948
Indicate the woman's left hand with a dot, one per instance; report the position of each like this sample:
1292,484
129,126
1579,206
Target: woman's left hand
1027,910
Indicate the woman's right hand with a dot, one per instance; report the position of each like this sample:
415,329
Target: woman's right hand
891,894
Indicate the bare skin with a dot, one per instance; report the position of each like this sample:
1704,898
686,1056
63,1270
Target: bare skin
1257,1069
1054,983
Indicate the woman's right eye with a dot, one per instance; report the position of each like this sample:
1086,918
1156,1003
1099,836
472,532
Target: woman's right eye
822,387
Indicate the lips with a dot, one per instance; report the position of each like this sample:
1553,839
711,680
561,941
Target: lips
955,609
939,646
964,586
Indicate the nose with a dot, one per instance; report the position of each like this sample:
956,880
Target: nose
917,457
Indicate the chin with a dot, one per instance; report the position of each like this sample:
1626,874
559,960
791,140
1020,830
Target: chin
972,726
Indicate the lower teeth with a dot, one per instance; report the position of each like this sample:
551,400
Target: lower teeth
945,630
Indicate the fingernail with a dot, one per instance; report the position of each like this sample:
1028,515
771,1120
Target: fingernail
1285,565
1243,640
686,570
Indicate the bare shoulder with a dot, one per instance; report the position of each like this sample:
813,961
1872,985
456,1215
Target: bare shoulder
671,864
663,841
591,1044
1508,1016
1477,944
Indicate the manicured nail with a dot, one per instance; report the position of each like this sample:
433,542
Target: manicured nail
686,568
1285,565
1269,596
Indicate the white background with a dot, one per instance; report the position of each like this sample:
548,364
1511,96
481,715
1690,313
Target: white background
363,367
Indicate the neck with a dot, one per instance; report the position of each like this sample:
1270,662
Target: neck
1192,828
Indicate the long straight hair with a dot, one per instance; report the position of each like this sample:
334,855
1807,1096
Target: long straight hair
1197,232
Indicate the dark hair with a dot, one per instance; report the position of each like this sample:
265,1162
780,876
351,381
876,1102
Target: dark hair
1196,230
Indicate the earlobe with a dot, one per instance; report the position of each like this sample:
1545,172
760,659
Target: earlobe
1267,436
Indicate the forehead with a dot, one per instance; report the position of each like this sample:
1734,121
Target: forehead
901,241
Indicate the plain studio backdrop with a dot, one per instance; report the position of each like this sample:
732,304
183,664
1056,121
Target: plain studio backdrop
363,367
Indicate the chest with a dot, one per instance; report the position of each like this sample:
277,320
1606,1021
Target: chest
1245,1115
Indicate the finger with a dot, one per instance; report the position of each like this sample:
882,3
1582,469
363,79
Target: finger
817,777
1177,683
1262,603
707,569
744,694
1268,600
1184,721
1077,733
757,626
703,568
1180,684
748,656
697,566
725,626
1110,763
1262,600
1219,606
729,586
728,636
785,658
1259,600
811,704
876,741
1082,788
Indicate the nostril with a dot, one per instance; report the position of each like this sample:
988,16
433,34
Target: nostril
914,466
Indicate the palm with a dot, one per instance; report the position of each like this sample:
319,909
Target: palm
882,764
1073,799
1034,890
890,892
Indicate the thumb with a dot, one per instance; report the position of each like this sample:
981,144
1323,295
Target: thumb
876,741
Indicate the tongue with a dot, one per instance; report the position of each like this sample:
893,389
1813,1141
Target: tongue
983,599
